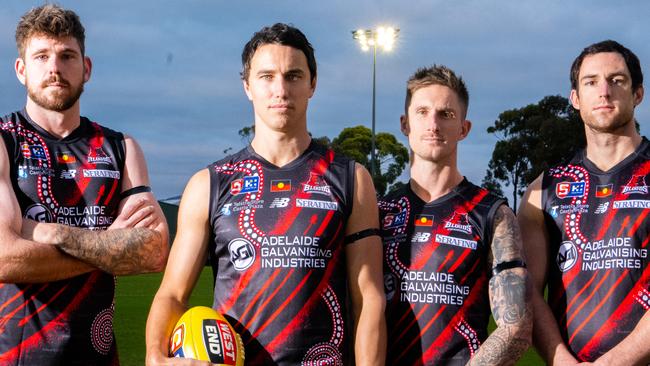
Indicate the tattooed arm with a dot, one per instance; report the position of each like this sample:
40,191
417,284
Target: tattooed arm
136,242
546,334
509,297
23,260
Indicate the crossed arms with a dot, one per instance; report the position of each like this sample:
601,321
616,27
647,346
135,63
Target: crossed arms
137,241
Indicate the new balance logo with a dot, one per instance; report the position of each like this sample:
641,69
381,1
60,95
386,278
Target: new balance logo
602,208
280,202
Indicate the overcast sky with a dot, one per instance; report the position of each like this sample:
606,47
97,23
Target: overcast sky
167,72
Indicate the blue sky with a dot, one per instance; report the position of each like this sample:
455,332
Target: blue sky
167,72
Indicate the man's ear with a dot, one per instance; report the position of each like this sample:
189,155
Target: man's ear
404,125
20,70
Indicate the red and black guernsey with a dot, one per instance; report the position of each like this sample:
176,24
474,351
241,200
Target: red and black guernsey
277,253
599,277
73,181
436,274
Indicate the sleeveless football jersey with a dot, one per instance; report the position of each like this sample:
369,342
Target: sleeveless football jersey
72,181
599,275
278,257
436,274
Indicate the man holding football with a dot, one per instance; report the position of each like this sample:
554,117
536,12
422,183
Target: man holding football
289,228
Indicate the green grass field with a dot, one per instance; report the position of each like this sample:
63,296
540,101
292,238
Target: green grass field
132,302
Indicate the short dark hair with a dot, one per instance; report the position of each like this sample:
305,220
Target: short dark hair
631,60
52,21
278,33
436,75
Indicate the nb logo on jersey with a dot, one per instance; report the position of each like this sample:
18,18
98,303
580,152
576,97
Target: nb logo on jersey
602,208
280,202
242,253
420,237
567,256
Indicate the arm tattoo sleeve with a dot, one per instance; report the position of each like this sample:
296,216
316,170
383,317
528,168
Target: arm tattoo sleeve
120,252
509,298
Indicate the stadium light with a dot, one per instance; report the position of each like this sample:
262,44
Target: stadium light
384,38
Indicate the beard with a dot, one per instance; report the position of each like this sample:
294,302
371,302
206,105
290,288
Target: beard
58,100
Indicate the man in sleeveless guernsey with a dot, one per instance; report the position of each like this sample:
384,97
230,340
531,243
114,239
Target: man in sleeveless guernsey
585,226
452,250
75,207
289,227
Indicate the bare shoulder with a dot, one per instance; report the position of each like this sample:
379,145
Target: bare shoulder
364,209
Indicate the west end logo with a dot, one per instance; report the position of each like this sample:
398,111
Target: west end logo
570,189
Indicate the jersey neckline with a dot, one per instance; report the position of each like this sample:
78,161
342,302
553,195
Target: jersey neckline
295,162
591,167
73,136
442,199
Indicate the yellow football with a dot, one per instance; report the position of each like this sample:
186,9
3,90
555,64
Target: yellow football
204,334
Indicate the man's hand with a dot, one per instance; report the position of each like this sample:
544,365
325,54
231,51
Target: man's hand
136,214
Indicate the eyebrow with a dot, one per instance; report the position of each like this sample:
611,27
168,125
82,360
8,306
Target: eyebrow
616,73
65,50
271,71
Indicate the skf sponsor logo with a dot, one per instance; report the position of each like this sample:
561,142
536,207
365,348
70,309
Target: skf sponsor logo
316,185
570,189
280,202
283,185
69,174
219,341
424,220
242,253
248,184
65,158
101,173
393,220
603,191
33,151
567,256
321,205
98,156
459,222
635,185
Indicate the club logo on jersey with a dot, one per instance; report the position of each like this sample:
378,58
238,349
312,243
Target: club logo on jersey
570,189
248,184
394,220
282,185
280,202
69,174
635,185
242,253
459,222
38,212
602,208
567,256
424,220
225,210
101,173
603,191
98,156
65,158
321,205
33,151
316,185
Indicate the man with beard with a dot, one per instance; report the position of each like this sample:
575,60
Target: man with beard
64,180
585,228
